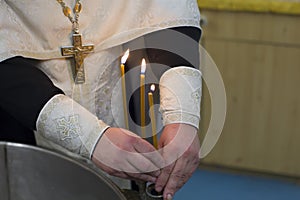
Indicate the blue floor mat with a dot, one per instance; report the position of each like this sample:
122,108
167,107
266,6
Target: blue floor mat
215,185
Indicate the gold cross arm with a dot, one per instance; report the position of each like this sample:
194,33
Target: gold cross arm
78,52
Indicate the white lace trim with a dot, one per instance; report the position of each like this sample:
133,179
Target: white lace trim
180,93
65,125
180,117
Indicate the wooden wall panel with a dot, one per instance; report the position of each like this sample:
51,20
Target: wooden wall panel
259,27
262,80
274,6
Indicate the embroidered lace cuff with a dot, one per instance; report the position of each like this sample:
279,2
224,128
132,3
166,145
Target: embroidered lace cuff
180,93
66,126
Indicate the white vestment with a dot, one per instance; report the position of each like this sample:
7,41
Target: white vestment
38,29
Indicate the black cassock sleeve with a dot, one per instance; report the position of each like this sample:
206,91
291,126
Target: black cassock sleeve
171,47
25,89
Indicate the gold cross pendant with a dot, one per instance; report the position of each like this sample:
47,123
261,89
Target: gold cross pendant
78,52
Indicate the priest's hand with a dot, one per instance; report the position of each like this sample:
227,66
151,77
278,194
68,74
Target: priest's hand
180,149
123,154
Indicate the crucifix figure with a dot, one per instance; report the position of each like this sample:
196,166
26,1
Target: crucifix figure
78,52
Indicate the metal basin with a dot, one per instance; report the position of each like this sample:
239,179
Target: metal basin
32,173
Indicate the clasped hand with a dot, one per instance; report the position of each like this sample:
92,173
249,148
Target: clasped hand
121,153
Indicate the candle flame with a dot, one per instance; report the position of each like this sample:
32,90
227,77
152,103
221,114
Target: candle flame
143,66
124,58
152,87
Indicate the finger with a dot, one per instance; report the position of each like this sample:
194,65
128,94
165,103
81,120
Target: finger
163,177
141,177
112,171
134,176
123,174
181,173
135,173
149,152
176,179
155,173
141,164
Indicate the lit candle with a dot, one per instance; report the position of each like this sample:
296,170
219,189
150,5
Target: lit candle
122,67
142,97
152,115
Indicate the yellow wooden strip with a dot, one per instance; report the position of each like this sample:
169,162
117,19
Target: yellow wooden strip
275,6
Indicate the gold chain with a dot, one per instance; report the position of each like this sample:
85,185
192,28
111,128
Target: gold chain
67,12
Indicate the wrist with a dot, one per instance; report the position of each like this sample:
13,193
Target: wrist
180,91
66,126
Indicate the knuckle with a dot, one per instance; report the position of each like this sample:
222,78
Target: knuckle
168,170
131,139
178,175
191,156
196,161
190,152
186,154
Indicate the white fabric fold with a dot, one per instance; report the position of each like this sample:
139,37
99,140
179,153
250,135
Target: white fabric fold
180,96
66,126
38,29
